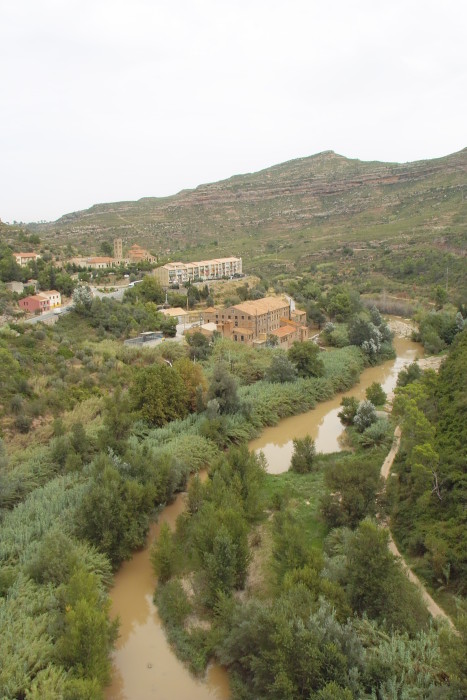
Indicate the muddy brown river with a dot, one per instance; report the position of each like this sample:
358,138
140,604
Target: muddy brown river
322,422
144,665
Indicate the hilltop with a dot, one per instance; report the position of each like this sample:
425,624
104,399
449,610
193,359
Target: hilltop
289,216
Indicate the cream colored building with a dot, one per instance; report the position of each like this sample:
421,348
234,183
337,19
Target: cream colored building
54,297
175,273
24,258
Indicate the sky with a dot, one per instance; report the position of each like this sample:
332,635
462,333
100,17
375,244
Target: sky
110,100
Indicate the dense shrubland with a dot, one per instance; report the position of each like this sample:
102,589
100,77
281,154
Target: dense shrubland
116,432
428,496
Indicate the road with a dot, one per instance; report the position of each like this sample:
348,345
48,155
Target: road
52,316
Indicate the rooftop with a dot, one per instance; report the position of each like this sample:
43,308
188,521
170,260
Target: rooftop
261,306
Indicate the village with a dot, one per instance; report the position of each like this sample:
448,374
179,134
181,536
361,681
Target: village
270,320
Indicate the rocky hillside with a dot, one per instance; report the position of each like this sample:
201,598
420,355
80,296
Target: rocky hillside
291,213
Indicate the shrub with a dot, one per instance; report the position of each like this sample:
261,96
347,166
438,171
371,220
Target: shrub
303,455
365,416
376,394
349,409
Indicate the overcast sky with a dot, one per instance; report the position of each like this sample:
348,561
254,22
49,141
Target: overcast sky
104,100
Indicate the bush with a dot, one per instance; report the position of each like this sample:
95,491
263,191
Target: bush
376,394
349,410
365,416
303,455
376,434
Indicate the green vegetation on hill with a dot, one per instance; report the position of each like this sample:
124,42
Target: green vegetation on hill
391,227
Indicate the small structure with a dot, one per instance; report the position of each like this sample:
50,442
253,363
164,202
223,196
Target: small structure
145,337
24,258
176,312
54,298
36,303
206,329
138,254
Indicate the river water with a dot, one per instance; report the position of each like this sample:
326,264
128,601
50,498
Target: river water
144,665
322,423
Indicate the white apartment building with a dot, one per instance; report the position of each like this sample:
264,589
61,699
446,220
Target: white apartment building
177,272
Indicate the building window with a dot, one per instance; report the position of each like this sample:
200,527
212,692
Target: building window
242,337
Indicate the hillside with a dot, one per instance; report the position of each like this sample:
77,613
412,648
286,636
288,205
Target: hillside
294,214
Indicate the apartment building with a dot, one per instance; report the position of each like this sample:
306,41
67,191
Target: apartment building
175,273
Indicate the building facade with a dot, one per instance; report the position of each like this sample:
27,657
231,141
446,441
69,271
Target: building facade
33,304
175,273
257,322
24,258
137,254
54,297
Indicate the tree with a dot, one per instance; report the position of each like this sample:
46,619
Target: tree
114,512
306,359
223,388
88,635
220,565
342,302
194,380
107,248
163,553
303,455
376,584
349,410
82,299
376,394
365,416
365,334
281,370
440,296
160,394
200,347
409,374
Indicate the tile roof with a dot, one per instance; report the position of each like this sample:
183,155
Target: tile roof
261,306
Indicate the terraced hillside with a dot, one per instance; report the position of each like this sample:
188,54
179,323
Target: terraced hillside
291,216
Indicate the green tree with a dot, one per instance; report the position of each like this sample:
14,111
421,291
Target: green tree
281,370
220,566
194,380
88,635
107,249
409,374
349,408
114,512
440,296
82,299
305,357
223,388
376,394
160,394
365,416
200,347
304,452
163,554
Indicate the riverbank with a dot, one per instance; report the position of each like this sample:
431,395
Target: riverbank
322,423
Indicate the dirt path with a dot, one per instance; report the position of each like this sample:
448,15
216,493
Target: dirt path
432,606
